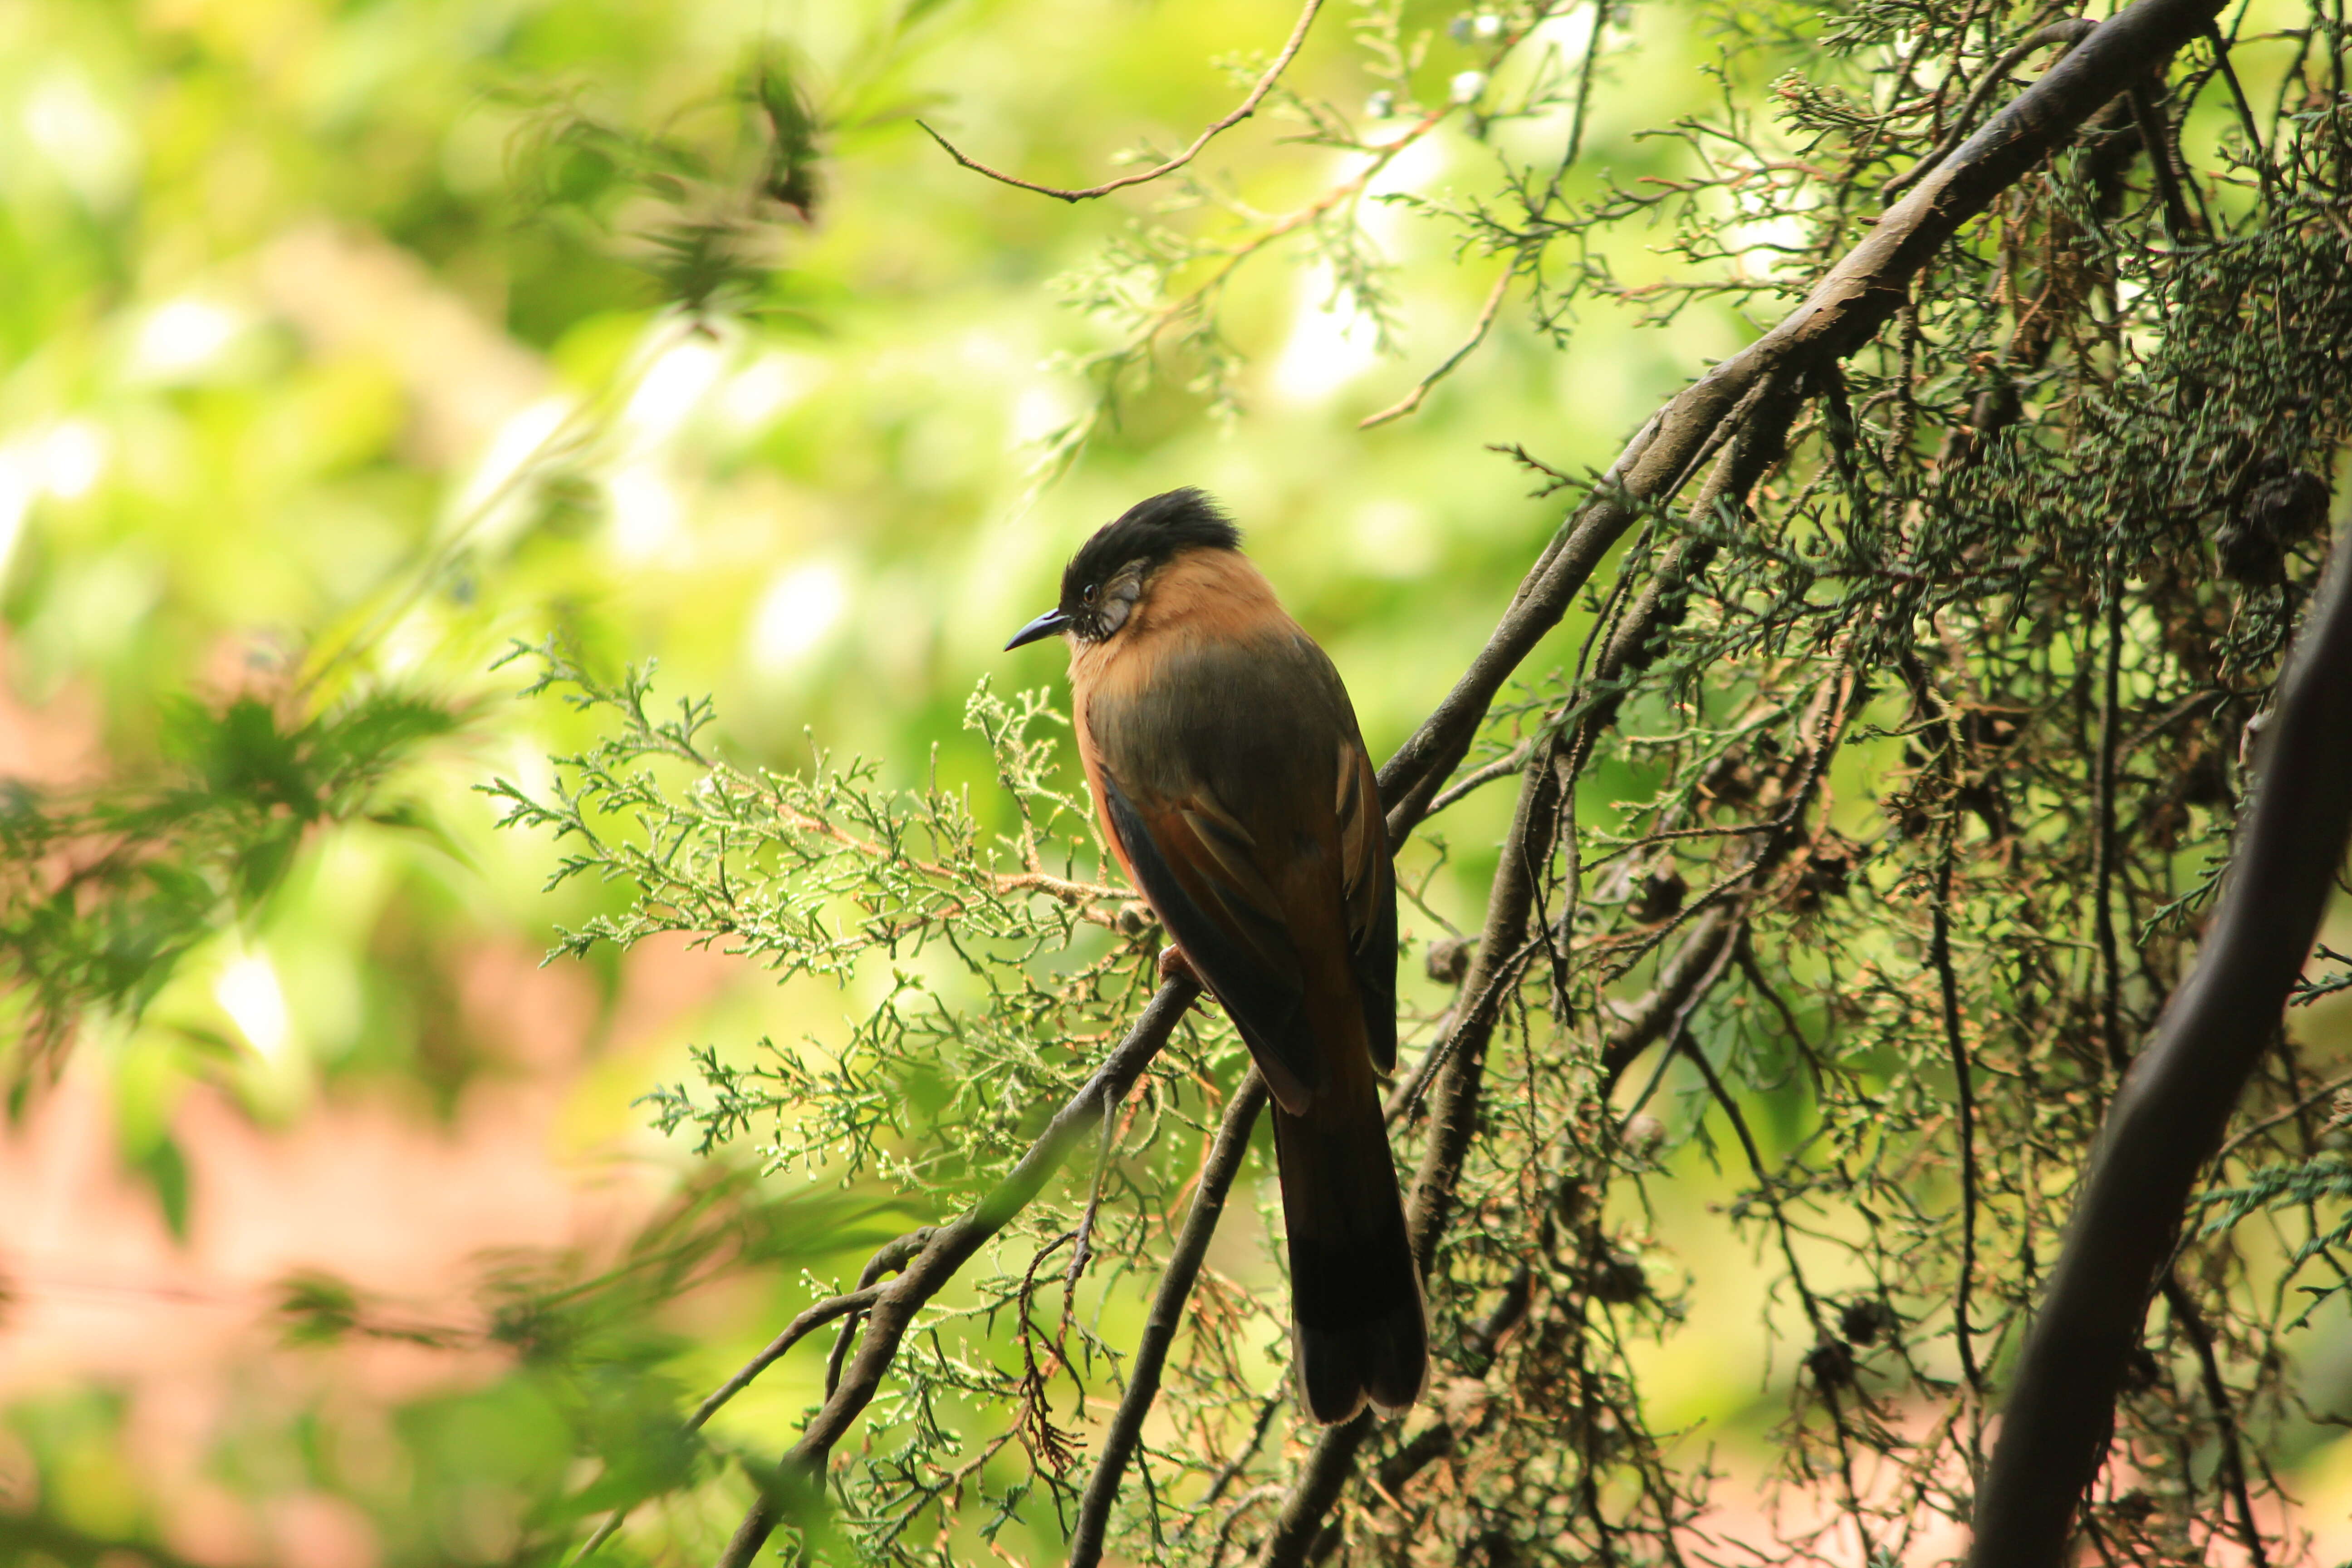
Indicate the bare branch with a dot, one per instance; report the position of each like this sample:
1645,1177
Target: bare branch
1145,176
800,1328
893,1255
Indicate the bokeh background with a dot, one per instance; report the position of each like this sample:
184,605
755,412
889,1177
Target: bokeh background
343,344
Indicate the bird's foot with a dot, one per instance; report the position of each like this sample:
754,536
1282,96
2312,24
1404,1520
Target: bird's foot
1174,965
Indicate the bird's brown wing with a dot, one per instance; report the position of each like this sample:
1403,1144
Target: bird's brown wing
1368,891
1238,795
1197,865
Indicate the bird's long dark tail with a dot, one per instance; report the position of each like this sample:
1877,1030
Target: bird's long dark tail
1361,1330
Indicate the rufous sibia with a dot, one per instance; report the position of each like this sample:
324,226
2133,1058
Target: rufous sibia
1235,790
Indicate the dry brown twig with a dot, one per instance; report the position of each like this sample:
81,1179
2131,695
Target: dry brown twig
1145,176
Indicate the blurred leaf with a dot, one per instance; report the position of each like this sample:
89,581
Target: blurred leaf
165,1166
103,892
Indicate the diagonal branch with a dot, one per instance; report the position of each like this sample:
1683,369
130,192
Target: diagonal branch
2168,1118
1478,331
1850,303
950,1248
1145,176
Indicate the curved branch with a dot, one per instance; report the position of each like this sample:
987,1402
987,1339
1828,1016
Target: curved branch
1145,176
892,1257
799,1329
2168,1118
1478,331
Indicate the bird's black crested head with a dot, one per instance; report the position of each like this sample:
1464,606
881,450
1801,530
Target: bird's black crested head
1105,578
1146,534
1101,584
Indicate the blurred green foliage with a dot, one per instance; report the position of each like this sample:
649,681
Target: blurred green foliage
344,343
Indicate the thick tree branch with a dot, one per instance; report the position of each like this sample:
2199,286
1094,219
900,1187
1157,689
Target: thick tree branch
2168,1118
1850,303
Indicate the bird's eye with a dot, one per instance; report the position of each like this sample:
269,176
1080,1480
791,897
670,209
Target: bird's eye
1087,592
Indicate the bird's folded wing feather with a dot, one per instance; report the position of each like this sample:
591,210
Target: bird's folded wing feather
1197,864
1368,891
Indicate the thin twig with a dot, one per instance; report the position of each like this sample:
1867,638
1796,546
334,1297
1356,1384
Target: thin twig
1812,1304
1501,767
2233,1457
2245,110
849,1306
1486,313
2102,913
2327,1090
1964,1094
1083,1235
2070,32
2155,141
1677,1033
800,1328
1145,176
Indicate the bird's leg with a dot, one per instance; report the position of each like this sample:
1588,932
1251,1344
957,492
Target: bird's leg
1174,965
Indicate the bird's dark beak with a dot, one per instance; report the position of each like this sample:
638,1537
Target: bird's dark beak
1045,626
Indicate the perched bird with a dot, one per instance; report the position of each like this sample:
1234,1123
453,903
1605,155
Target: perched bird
1233,786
